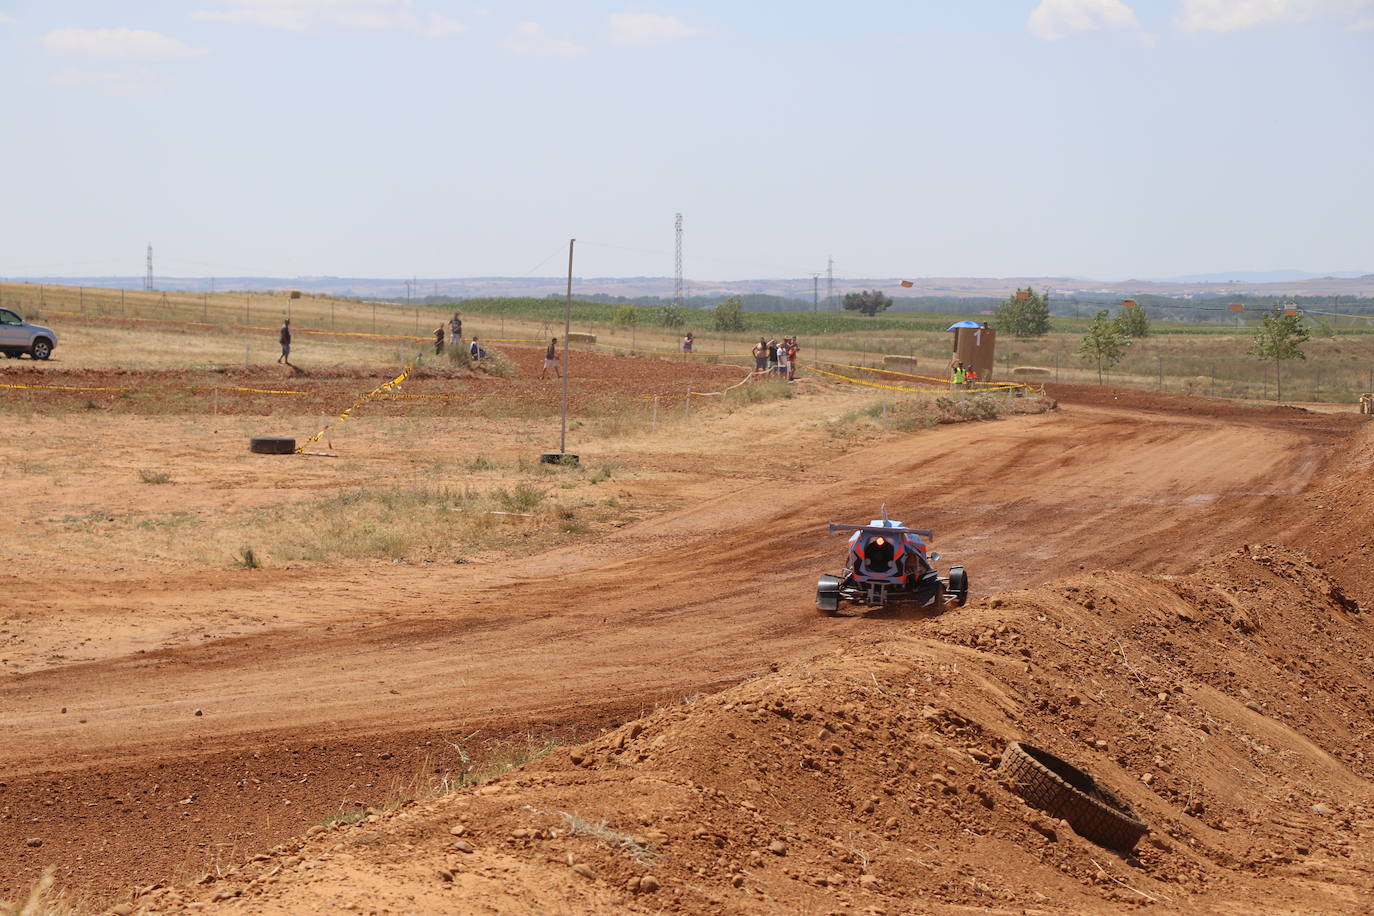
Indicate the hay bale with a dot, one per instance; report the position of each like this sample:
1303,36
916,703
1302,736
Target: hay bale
900,363
579,337
293,294
1032,372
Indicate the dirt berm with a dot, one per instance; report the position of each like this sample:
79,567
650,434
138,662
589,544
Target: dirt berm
1230,707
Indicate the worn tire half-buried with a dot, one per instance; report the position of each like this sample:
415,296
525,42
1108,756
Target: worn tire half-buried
272,445
1063,790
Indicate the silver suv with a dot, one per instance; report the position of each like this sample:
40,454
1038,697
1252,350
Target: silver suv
18,337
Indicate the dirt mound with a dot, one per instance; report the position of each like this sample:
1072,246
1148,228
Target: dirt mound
597,382
1230,708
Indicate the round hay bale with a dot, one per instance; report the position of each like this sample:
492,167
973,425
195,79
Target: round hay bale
293,294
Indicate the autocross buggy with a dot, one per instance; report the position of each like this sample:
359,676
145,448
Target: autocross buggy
888,565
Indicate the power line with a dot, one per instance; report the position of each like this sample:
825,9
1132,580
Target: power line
677,267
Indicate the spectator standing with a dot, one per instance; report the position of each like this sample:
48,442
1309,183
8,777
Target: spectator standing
792,349
455,329
439,341
782,358
285,337
960,375
550,359
687,344
760,352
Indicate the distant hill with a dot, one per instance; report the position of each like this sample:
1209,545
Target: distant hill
1270,283
1263,276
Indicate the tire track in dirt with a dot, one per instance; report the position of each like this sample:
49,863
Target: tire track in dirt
699,598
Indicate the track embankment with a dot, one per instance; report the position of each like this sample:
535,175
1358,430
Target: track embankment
1230,708
414,671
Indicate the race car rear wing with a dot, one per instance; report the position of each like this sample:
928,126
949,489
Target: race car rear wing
882,529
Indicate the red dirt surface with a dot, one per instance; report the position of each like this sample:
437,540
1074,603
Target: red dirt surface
595,380
871,773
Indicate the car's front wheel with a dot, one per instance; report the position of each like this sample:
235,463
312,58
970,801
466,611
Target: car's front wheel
41,349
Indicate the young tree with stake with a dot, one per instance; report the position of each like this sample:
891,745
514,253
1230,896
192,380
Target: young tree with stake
1280,337
1105,343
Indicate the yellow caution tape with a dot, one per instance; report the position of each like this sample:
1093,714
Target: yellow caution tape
385,386
944,390
65,387
972,385
927,378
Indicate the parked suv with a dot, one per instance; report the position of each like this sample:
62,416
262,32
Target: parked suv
17,337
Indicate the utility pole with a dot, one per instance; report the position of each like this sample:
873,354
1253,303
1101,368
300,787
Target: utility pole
815,292
148,278
567,332
677,273
830,282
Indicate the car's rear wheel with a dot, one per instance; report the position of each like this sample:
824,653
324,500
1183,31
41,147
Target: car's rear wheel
41,349
958,585
828,595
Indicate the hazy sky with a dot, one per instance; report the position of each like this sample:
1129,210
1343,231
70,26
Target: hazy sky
1098,138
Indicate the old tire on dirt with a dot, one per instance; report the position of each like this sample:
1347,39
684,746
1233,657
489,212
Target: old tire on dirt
272,445
828,595
958,585
1063,790
561,458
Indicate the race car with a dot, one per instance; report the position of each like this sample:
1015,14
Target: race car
889,564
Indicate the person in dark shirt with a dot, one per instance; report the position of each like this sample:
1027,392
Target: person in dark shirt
285,337
551,359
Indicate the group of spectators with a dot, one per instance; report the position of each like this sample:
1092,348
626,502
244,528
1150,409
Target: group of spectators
455,336
776,357
963,375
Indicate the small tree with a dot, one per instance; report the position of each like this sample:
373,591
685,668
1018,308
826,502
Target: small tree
1105,343
869,302
1133,321
729,315
1280,337
673,317
627,316
1025,314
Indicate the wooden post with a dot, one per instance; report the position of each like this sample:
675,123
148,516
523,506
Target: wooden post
653,417
567,330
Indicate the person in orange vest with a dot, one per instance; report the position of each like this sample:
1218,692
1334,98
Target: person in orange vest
971,375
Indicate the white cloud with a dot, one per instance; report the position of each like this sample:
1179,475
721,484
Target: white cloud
530,38
441,25
1238,15
133,82
645,29
6,19
119,44
1056,19
303,15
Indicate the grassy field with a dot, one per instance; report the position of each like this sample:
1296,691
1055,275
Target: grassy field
154,329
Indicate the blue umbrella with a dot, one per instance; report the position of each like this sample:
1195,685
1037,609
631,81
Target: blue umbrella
963,324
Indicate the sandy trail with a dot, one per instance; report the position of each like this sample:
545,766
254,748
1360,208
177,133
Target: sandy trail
704,595
579,637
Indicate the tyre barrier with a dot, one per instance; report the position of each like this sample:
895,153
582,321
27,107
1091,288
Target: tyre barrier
272,445
1062,790
560,458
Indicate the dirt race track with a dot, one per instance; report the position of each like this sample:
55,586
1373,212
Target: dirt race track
1153,641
